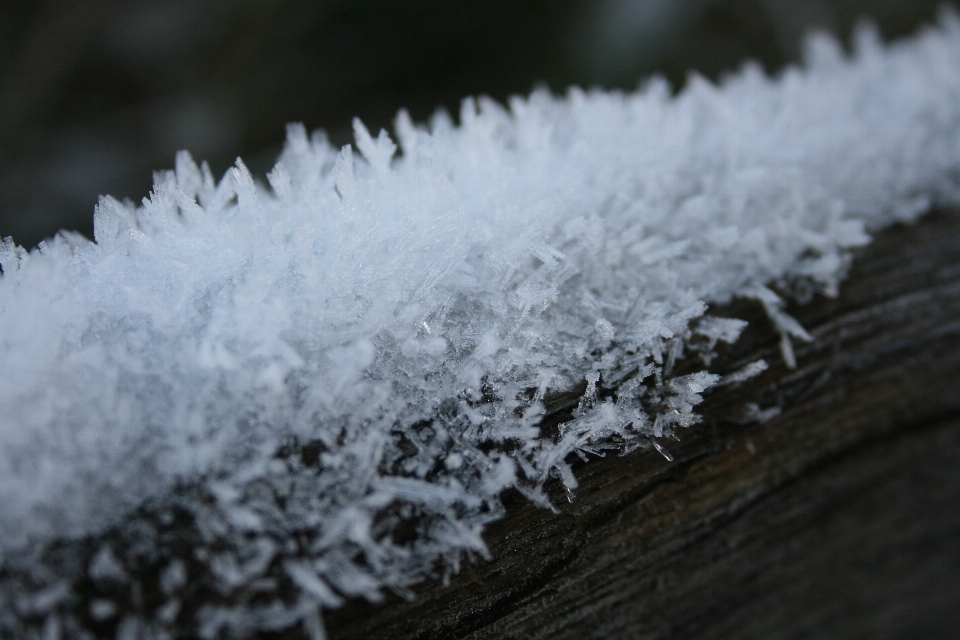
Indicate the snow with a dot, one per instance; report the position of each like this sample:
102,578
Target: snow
404,312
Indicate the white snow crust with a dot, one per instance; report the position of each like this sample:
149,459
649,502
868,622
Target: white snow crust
405,313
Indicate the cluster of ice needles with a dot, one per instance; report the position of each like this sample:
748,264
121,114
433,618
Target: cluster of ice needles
330,379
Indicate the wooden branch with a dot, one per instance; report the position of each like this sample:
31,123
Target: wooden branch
839,516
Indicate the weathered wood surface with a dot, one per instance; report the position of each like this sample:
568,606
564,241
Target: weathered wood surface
838,518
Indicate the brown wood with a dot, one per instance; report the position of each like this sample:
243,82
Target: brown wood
838,518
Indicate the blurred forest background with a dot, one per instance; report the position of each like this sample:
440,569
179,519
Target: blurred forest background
95,95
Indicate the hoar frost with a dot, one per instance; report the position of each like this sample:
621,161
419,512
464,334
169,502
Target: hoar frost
400,317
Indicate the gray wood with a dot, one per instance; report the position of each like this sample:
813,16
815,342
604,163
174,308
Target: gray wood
838,518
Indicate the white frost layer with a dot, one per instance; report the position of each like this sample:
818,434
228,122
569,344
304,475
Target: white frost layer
399,309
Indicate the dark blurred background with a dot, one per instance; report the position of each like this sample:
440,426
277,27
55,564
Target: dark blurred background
97,94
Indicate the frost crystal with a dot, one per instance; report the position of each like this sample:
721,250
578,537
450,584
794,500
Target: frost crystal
362,348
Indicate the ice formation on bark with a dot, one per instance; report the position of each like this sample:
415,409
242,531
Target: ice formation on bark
366,342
